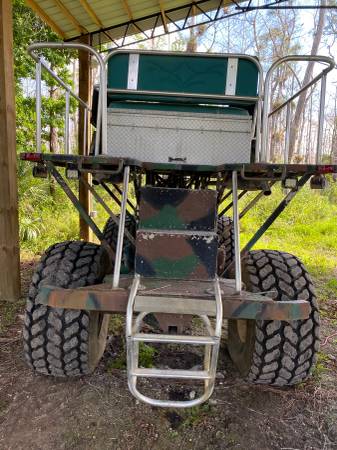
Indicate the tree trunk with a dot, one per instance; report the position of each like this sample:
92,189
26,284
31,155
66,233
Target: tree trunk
307,77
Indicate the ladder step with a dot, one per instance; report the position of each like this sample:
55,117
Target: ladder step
170,373
175,305
175,339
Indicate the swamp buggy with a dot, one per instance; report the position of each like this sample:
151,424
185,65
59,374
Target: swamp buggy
184,133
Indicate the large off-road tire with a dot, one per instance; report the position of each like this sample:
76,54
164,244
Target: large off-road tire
270,351
110,233
65,342
225,233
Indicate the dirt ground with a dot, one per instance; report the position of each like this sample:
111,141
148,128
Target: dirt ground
98,412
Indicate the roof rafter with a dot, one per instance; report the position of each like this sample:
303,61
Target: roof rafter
163,17
128,24
91,13
39,11
127,9
80,28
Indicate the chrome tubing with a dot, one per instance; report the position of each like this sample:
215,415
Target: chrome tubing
102,101
287,142
267,92
120,238
38,106
210,355
236,222
66,125
321,121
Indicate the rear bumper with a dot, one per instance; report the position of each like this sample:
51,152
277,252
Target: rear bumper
192,298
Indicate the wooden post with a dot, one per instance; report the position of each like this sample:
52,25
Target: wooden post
83,144
9,224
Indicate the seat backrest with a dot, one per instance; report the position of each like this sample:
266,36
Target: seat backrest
196,74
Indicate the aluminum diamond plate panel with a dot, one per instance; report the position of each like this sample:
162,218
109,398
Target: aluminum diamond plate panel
163,137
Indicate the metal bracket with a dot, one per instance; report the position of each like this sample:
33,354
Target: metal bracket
268,178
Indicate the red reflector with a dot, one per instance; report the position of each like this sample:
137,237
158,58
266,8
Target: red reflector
35,157
326,169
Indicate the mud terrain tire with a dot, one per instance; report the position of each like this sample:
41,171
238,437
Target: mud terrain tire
270,351
110,233
65,342
225,232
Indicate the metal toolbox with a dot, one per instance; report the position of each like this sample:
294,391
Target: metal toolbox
191,138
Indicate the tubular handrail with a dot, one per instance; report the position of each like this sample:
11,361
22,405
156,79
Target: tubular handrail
267,94
43,63
299,92
261,119
102,101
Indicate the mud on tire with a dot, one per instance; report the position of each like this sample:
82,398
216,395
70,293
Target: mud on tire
276,352
225,233
110,234
64,342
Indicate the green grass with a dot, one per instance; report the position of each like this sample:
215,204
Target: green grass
320,367
307,227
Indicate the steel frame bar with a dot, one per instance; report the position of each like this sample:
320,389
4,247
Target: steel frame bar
38,106
253,202
67,125
229,206
112,195
121,228
72,197
107,209
254,8
236,224
321,120
165,18
118,189
274,215
228,194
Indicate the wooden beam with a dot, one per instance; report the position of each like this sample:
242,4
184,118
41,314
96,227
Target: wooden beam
91,13
80,28
127,9
36,8
84,91
163,16
9,224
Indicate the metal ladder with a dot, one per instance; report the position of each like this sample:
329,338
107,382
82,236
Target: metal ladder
140,304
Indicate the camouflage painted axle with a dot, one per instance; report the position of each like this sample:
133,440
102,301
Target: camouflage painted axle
245,305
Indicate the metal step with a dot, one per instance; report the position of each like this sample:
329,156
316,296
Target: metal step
175,305
175,339
172,373
203,300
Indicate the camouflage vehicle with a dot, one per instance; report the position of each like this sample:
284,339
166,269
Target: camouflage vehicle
186,132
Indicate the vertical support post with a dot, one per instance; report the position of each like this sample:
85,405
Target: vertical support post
120,238
9,227
321,121
236,222
38,106
66,125
83,133
287,142
86,127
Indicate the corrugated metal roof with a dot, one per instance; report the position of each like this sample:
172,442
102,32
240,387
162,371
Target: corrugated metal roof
115,19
